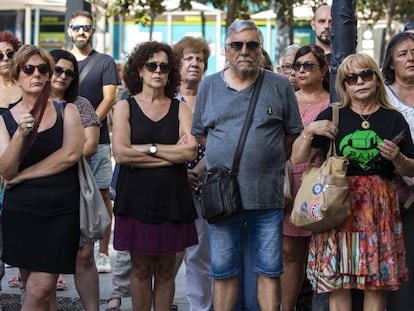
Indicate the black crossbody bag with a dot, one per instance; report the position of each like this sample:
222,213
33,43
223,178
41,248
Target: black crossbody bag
218,189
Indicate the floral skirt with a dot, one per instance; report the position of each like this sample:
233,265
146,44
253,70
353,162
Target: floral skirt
367,252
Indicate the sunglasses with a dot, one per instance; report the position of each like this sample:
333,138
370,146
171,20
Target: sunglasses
9,55
29,69
287,68
152,67
238,45
366,75
70,74
409,26
307,66
86,28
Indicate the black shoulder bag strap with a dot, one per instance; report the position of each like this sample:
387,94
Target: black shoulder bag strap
92,60
247,122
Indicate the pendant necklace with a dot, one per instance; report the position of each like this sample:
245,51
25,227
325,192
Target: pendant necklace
365,124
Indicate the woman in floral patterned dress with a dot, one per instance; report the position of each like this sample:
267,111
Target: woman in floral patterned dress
367,252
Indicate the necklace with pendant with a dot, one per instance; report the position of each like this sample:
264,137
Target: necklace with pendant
365,124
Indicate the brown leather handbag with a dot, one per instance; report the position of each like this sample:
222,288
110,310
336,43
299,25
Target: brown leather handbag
322,201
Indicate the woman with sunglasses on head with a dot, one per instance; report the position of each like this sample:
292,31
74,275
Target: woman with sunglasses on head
398,70
64,88
154,212
367,252
312,77
39,152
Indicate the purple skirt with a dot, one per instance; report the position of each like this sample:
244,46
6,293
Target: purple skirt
153,239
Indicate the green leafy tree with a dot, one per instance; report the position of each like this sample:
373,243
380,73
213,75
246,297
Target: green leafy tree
144,12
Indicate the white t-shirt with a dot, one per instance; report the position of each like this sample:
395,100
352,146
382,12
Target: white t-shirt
406,111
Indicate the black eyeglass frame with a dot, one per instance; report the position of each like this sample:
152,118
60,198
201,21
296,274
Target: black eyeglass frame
287,68
76,28
30,69
366,76
237,46
152,67
307,66
409,26
70,74
9,54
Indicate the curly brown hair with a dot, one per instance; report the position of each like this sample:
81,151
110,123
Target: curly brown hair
7,36
136,61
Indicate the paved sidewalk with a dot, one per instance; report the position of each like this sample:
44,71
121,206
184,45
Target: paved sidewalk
105,287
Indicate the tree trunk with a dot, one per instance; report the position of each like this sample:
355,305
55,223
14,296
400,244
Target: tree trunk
232,6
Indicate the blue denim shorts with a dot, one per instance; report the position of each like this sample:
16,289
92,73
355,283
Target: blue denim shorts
101,166
265,231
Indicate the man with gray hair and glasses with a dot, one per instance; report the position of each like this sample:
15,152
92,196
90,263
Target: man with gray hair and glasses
222,103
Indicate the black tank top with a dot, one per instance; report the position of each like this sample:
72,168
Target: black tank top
154,195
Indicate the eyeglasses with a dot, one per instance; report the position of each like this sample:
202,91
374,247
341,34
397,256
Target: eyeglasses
29,69
409,26
70,74
152,67
366,75
307,66
76,28
9,55
238,45
287,68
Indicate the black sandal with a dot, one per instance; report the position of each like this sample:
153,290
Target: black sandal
116,308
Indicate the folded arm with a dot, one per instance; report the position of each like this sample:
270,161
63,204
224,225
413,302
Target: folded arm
64,157
124,152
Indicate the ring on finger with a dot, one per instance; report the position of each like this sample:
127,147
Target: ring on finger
29,125
329,130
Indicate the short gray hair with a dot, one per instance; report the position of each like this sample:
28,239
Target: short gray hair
241,25
290,50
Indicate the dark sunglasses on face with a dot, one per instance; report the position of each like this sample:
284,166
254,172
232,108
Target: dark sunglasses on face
409,26
70,74
9,55
76,28
307,66
152,67
366,75
238,45
29,69
287,68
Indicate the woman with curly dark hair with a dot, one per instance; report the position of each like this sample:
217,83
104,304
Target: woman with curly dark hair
154,212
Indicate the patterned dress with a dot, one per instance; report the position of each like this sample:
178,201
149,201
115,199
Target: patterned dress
368,251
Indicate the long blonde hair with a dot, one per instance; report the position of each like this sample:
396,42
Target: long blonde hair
361,60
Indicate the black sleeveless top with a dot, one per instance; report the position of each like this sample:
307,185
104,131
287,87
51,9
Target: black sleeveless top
50,195
154,195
